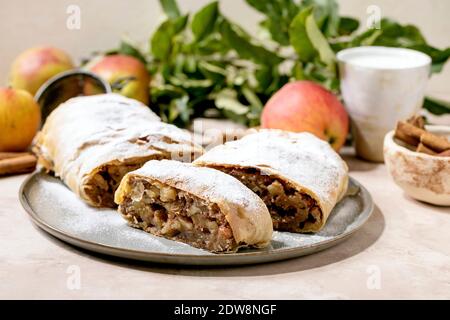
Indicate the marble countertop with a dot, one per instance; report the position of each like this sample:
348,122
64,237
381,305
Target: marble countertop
402,252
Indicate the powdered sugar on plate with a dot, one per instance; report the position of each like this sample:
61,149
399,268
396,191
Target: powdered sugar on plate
54,204
63,210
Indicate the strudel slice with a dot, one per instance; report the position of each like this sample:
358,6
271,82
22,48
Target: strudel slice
92,142
299,177
199,206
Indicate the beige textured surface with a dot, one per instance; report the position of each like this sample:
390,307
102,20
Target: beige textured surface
104,22
405,242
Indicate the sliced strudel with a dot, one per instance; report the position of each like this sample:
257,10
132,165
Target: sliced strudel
92,142
299,177
199,206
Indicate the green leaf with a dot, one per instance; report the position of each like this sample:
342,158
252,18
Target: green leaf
264,77
366,38
227,100
397,35
204,20
128,49
162,39
170,8
298,73
260,5
179,108
319,42
299,37
279,15
326,15
279,31
212,71
347,26
212,44
437,107
237,39
166,91
256,105
185,82
439,57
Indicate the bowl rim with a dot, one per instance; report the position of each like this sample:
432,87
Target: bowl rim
391,143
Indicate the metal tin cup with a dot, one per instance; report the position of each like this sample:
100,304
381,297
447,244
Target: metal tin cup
381,86
66,85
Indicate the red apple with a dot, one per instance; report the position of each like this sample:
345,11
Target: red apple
306,106
36,65
20,117
113,68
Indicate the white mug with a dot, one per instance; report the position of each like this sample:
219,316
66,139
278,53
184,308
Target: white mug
381,86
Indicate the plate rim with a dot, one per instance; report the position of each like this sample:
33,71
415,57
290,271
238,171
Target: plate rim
243,258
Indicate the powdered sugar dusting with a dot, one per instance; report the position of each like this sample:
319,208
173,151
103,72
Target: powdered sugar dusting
245,211
211,184
76,218
299,157
60,208
87,132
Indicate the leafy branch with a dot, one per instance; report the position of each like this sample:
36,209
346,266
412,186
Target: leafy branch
206,65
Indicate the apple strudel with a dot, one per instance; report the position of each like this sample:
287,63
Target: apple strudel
199,206
299,177
92,142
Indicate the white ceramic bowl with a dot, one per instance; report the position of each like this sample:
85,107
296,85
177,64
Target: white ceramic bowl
421,176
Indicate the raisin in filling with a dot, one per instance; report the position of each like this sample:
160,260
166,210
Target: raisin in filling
290,209
177,215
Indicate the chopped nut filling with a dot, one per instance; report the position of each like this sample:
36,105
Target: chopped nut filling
177,215
290,209
102,186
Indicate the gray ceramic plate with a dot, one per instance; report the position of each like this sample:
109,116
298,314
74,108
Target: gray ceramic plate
54,208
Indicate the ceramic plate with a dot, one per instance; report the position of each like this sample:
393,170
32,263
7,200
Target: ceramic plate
55,209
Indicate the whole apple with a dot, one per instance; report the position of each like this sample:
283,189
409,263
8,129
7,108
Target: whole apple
36,65
307,106
114,68
20,118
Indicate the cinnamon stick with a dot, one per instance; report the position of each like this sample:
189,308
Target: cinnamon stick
408,133
9,155
435,142
21,164
424,149
417,121
446,153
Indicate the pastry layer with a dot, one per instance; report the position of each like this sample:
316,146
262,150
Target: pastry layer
177,215
203,207
296,167
92,142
